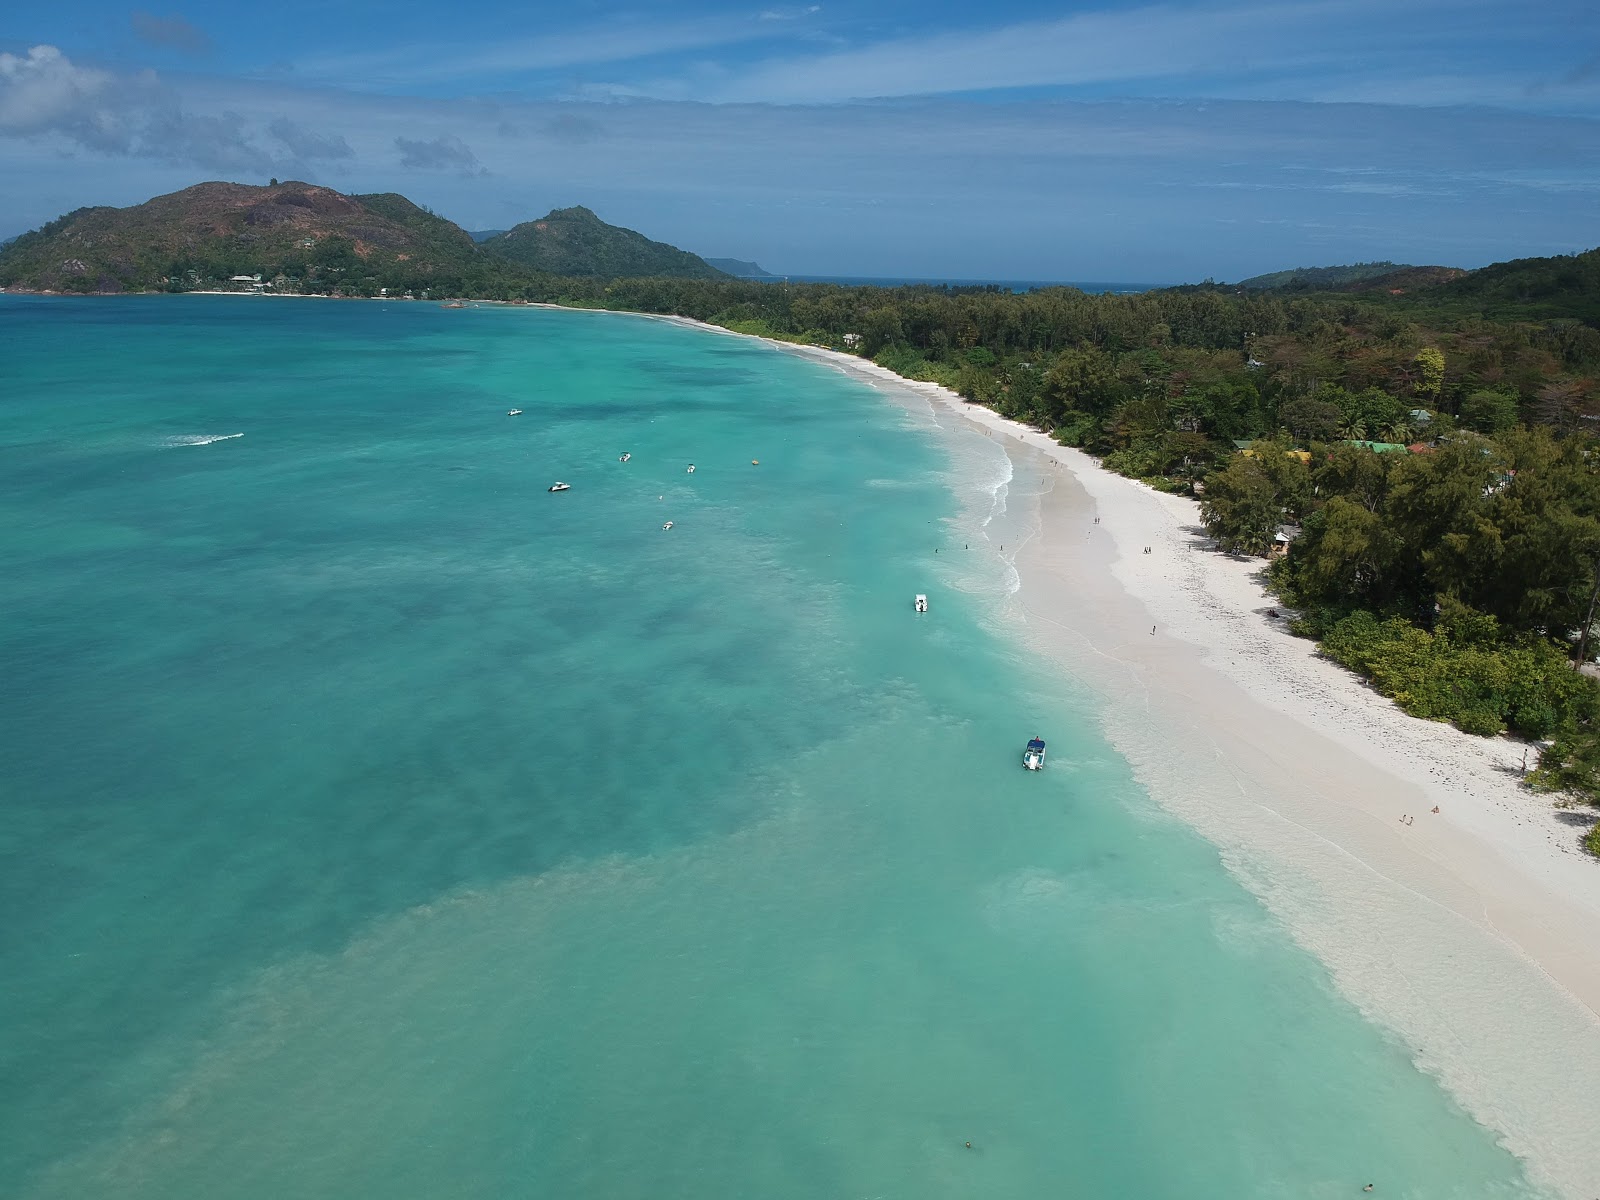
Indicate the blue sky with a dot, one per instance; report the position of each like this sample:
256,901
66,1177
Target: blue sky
1137,142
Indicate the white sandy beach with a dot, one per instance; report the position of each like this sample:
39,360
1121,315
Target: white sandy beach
1473,933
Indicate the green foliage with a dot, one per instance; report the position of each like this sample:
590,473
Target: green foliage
753,326
1489,411
1430,371
905,361
1311,420
1571,764
1242,508
1466,672
1309,278
1511,526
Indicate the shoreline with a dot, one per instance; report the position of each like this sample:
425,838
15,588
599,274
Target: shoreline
1472,934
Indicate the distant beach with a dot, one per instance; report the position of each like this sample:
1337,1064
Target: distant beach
1470,931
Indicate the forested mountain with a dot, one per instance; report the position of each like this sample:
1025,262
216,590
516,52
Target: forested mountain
300,237
312,235
1563,287
573,241
1320,278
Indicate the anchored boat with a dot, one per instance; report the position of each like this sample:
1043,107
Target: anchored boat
1033,756
922,603
560,487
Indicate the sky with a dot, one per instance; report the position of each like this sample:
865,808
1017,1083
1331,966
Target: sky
1128,142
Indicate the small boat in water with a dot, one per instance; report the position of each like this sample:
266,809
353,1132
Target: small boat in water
513,412
1033,756
691,469
668,525
560,487
625,457
922,603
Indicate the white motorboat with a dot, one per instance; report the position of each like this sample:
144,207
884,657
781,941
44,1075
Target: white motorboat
1033,756
625,458
668,525
922,603
560,487
691,469
513,412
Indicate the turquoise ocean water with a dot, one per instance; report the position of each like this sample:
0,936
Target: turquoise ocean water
378,824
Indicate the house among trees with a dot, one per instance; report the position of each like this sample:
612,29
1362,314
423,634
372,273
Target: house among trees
852,340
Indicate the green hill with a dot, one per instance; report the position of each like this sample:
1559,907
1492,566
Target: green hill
1402,279
573,241
319,238
1566,285
1320,278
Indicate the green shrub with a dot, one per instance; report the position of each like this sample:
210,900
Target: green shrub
1591,840
903,360
1075,430
1570,763
753,326
1464,672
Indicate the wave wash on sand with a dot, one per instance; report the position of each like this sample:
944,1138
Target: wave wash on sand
1473,934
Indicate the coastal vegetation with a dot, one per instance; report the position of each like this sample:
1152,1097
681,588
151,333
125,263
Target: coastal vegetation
1313,279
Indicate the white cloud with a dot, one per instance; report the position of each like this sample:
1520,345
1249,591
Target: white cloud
45,92
44,95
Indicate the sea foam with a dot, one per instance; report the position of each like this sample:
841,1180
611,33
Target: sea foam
200,439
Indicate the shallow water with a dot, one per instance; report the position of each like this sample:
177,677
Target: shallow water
380,824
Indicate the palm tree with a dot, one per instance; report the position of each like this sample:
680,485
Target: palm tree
1354,429
1398,430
